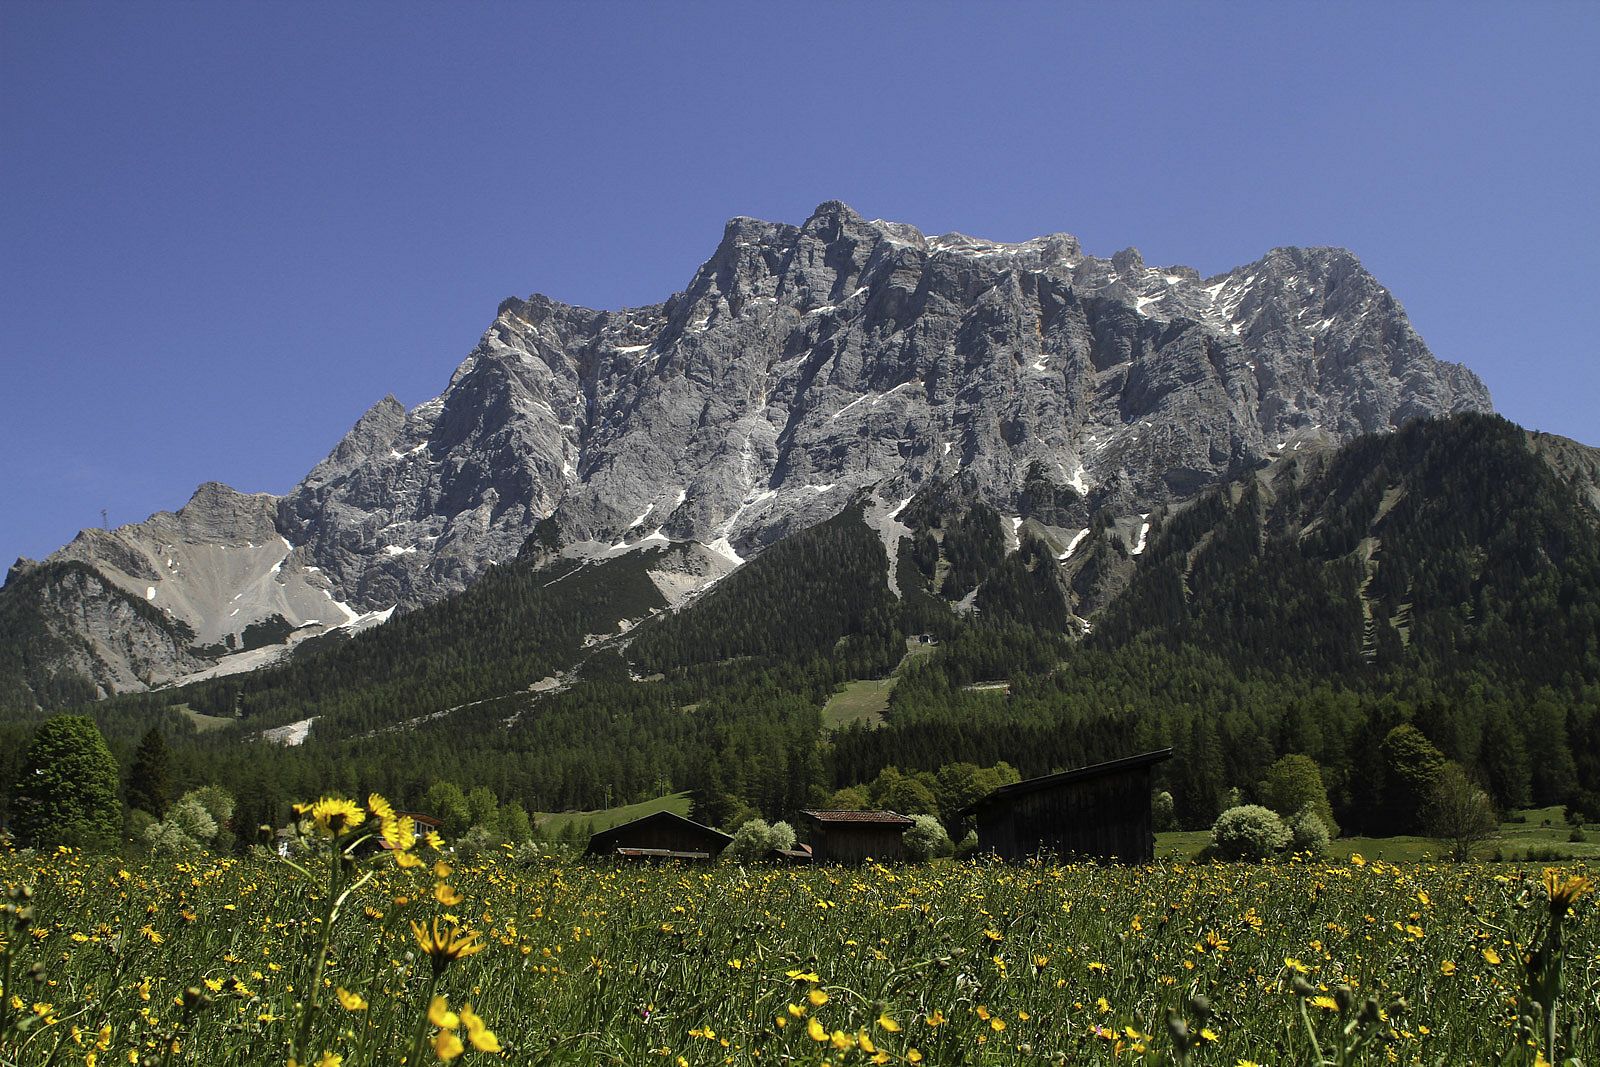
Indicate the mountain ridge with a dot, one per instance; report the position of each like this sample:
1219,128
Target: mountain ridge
802,366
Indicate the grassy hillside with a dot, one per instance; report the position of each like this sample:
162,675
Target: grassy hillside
555,824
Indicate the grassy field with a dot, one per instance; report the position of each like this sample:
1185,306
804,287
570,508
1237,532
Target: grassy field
866,700
1539,829
552,824
203,722
371,963
862,701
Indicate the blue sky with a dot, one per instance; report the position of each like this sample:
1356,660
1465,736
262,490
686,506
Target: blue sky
227,230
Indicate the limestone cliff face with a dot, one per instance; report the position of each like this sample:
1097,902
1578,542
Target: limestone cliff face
801,366
805,363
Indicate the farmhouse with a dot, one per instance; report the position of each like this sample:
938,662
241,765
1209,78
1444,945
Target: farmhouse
661,835
856,836
1098,812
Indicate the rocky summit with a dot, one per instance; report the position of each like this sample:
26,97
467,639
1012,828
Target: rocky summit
802,367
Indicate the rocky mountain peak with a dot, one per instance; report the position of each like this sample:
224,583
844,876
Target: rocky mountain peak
805,366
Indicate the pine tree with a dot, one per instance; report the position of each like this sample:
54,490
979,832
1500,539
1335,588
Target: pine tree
150,781
67,793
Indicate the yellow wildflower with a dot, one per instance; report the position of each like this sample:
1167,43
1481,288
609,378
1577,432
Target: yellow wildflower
447,1046
440,1015
446,947
1565,892
481,1037
333,815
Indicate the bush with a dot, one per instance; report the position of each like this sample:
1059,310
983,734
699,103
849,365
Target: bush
1163,812
755,840
1577,837
1248,832
925,839
1308,833
1541,854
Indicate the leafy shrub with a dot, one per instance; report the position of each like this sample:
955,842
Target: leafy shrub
925,839
1543,854
755,839
1163,812
1308,833
1248,832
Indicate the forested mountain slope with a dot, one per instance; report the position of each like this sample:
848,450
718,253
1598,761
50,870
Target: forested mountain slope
1446,576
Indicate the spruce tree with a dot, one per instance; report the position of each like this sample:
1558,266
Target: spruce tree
67,793
150,781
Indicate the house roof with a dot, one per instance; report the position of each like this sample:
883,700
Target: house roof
422,819
660,854
605,840
1079,774
858,818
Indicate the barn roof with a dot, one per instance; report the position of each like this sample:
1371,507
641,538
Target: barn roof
1079,774
660,854
868,818
607,840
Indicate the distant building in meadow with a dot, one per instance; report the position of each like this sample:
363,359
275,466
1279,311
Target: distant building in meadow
1100,812
856,836
798,854
661,835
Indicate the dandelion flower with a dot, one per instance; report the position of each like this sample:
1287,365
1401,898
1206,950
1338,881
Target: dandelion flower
445,947
333,815
447,1046
1565,891
440,1015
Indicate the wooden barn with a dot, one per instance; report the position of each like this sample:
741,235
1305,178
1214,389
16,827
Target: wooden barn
1098,812
856,836
662,835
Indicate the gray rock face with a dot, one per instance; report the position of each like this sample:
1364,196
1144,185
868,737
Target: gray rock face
103,638
804,364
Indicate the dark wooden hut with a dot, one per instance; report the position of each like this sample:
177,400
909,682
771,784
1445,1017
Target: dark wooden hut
1098,812
661,835
856,836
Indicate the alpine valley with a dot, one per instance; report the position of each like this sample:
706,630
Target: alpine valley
861,498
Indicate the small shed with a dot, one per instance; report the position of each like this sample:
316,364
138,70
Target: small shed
856,836
1098,812
798,854
661,835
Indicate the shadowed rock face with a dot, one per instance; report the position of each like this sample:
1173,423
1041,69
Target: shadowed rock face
801,365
